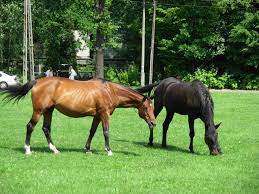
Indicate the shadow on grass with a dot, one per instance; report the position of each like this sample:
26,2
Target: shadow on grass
78,150
158,146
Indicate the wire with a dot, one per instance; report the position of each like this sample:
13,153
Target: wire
182,5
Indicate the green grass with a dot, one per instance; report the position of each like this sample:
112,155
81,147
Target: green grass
134,167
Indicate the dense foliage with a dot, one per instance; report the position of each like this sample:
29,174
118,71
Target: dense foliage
193,38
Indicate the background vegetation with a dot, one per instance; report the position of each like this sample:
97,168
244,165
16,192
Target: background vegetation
201,36
134,167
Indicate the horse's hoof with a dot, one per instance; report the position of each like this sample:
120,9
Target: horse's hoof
88,152
28,153
56,152
164,146
109,153
150,144
27,149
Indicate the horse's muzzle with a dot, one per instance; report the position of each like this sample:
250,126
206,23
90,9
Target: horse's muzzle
151,124
216,152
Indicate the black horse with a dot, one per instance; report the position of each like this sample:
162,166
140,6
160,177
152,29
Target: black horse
185,98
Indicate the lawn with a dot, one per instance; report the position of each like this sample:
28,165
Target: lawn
134,166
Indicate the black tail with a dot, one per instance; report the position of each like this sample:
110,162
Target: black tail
16,93
147,88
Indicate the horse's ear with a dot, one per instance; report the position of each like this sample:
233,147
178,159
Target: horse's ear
144,98
217,126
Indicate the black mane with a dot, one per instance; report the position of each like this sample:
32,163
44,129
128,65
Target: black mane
207,104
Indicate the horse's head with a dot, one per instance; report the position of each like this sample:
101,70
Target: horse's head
211,139
145,111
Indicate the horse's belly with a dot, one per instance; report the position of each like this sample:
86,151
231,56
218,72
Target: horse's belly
76,111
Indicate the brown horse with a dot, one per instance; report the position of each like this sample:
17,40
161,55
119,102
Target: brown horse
97,98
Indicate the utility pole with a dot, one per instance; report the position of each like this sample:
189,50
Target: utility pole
28,41
99,67
143,45
152,44
25,46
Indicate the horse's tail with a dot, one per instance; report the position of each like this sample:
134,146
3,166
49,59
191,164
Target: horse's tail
16,93
147,88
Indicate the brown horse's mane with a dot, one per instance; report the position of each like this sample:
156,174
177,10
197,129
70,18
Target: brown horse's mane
132,90
123,86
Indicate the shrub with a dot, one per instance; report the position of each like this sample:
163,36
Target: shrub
134,75
111,74
250,82
129,77
212,80
123,77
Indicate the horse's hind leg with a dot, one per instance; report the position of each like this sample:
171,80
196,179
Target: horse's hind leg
168,119
94,126
105,123
30,126
47,129
158,106
192,133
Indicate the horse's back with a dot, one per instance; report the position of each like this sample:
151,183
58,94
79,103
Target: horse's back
165,83
181,97
162,87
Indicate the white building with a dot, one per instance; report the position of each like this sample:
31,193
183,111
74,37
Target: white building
83,52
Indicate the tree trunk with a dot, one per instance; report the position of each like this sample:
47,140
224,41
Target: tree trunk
1,49
143,45
152,44
99,42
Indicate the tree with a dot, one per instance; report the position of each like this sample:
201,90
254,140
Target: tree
99,40
240,29
11,27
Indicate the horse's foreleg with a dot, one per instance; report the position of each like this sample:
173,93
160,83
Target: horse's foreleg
30,126
94,126
105,123
47,129
151,137
192,133
157,109
168,119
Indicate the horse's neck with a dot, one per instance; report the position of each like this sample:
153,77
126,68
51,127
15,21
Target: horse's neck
209,125
128,98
